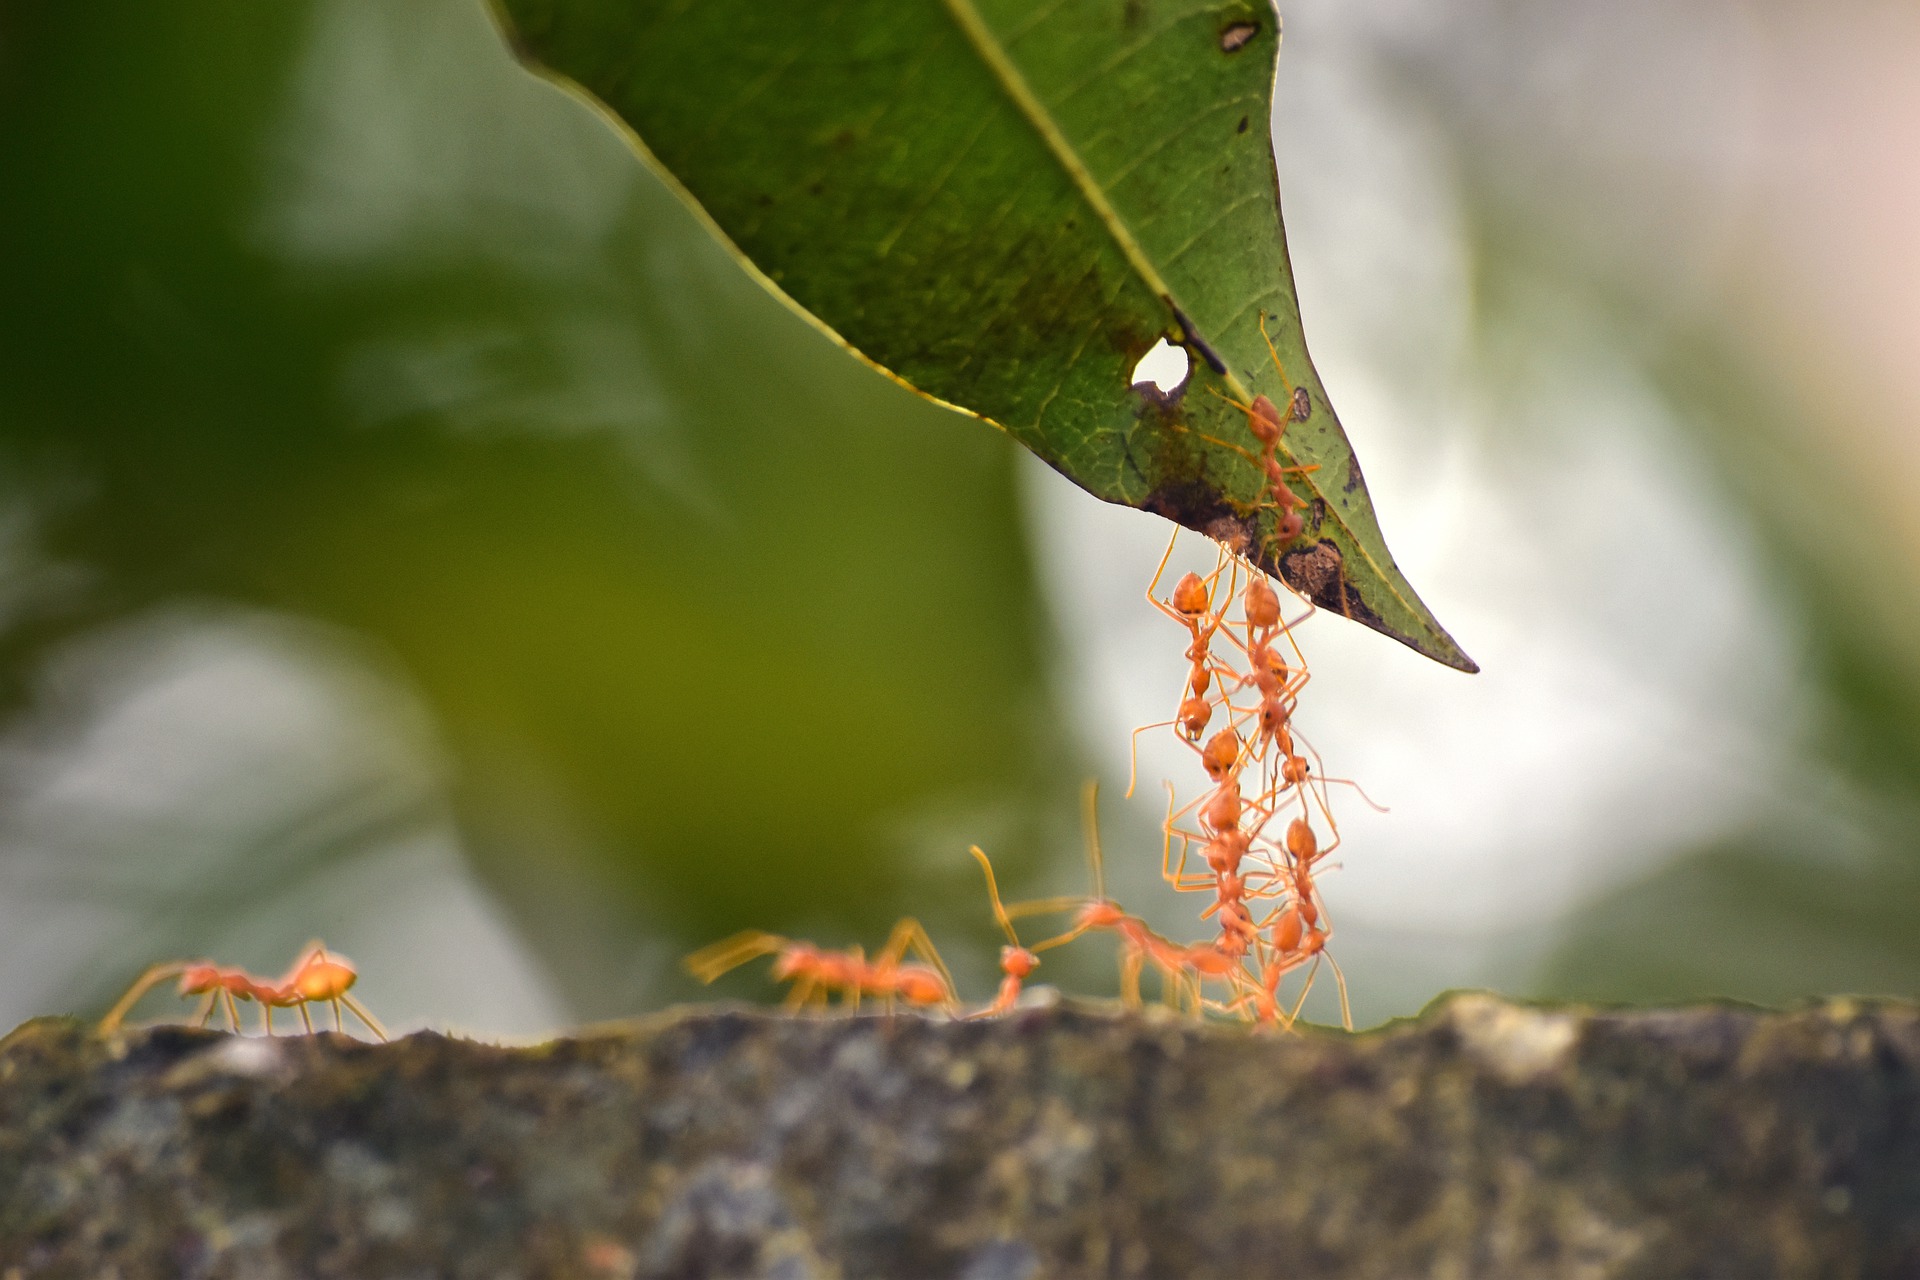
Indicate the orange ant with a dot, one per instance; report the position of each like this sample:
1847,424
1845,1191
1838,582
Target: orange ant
317,976
1266,426
816,972
1299,931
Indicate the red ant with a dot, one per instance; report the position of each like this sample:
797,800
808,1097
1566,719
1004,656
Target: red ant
1297,933
817,972
1266,426
317,976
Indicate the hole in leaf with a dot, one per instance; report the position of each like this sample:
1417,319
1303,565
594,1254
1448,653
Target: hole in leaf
1165,366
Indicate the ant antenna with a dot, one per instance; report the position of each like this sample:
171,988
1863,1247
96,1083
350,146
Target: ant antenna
993,894
153,977
1090,818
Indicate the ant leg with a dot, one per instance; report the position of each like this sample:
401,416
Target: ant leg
1171,989
859,969
710,961
1090,816
1168,871
1306,990
305,1017
1277,366
359,1011
1133,752
233,1013
1165,556
1042,906
147,981
205,1013
1340,980
1342,782
799,993
266,1017
1130,978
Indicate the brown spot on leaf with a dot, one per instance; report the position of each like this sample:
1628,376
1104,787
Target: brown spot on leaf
1320,574
1237,36
1316,514
1231,533
1242,126
1200,507
1302,407
1353,474
1151,396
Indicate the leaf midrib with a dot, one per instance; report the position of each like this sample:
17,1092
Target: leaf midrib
1014,84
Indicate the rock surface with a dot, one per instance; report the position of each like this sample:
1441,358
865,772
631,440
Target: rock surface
1484,1140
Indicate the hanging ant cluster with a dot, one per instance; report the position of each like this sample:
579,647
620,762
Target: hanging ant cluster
1256,827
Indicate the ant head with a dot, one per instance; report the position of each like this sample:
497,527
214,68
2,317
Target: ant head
1294,771
1195,713
1288,528
1262,604
1018,962
1101,914
1264,421
794,960
1190,598
1221,754
1273,715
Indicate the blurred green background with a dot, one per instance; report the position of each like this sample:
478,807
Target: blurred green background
414,531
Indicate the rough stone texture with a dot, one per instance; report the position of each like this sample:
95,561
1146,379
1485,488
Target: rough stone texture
1484,1140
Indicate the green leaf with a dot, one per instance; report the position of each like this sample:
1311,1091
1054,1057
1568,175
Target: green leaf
1004,204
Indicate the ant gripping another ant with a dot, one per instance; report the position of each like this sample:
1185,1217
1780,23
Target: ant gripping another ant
319,976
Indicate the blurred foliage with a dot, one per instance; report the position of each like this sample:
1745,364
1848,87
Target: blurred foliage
325,312
1819,893
717,624
1007,207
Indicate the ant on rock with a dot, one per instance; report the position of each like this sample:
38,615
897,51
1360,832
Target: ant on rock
319,976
